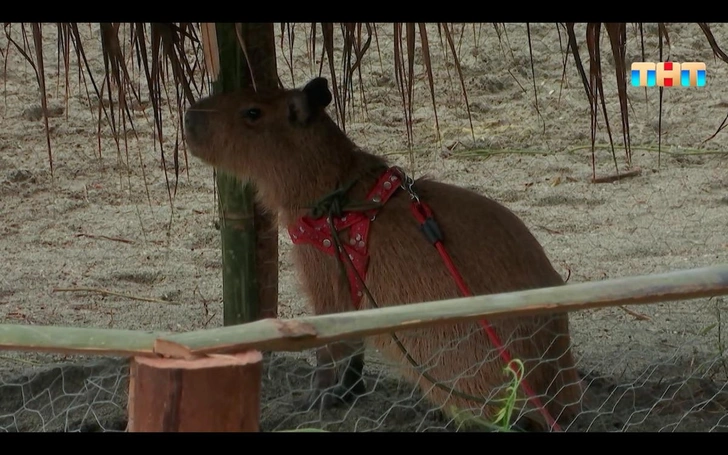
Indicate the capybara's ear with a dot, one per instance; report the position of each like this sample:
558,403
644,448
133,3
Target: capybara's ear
317,92
305,103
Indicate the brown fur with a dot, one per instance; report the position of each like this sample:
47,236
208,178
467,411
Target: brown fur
294,153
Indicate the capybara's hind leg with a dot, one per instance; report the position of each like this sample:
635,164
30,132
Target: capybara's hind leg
338,377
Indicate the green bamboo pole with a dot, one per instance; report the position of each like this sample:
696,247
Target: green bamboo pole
312,331
249,239
77,340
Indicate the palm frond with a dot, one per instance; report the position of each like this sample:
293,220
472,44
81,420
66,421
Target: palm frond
139,60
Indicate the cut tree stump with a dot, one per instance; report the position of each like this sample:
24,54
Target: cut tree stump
216,393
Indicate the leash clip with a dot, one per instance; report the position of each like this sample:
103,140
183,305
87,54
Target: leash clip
407,183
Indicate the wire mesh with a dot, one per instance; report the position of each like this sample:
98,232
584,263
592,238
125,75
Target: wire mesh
674,380
70,396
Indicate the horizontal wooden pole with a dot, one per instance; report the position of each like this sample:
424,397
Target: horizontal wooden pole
77,340
307,332
312,331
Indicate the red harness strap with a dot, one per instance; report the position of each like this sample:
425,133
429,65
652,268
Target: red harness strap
317,233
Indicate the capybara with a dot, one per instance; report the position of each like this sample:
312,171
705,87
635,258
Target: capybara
285,143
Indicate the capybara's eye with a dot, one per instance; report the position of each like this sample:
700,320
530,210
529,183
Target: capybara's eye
251,114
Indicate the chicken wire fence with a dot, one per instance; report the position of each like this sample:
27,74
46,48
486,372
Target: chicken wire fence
71,395
674,380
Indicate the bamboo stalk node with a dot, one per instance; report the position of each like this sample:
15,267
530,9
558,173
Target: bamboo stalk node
295,329
286,330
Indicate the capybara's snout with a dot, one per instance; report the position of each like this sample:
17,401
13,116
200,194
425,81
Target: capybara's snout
195,123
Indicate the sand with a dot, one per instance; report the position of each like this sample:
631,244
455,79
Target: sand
658,367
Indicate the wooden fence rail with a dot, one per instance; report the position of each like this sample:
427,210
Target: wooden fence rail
312,331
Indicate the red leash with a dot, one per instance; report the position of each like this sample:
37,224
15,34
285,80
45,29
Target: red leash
429,227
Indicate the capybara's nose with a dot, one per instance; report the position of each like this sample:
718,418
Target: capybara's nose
194,122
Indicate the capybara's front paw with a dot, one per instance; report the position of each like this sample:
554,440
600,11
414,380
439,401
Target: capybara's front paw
330,398
317,400
326,396
320,396
347,392
352,385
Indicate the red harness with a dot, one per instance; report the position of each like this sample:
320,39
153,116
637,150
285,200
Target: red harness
317,233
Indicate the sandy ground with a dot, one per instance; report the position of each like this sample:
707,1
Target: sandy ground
655,367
